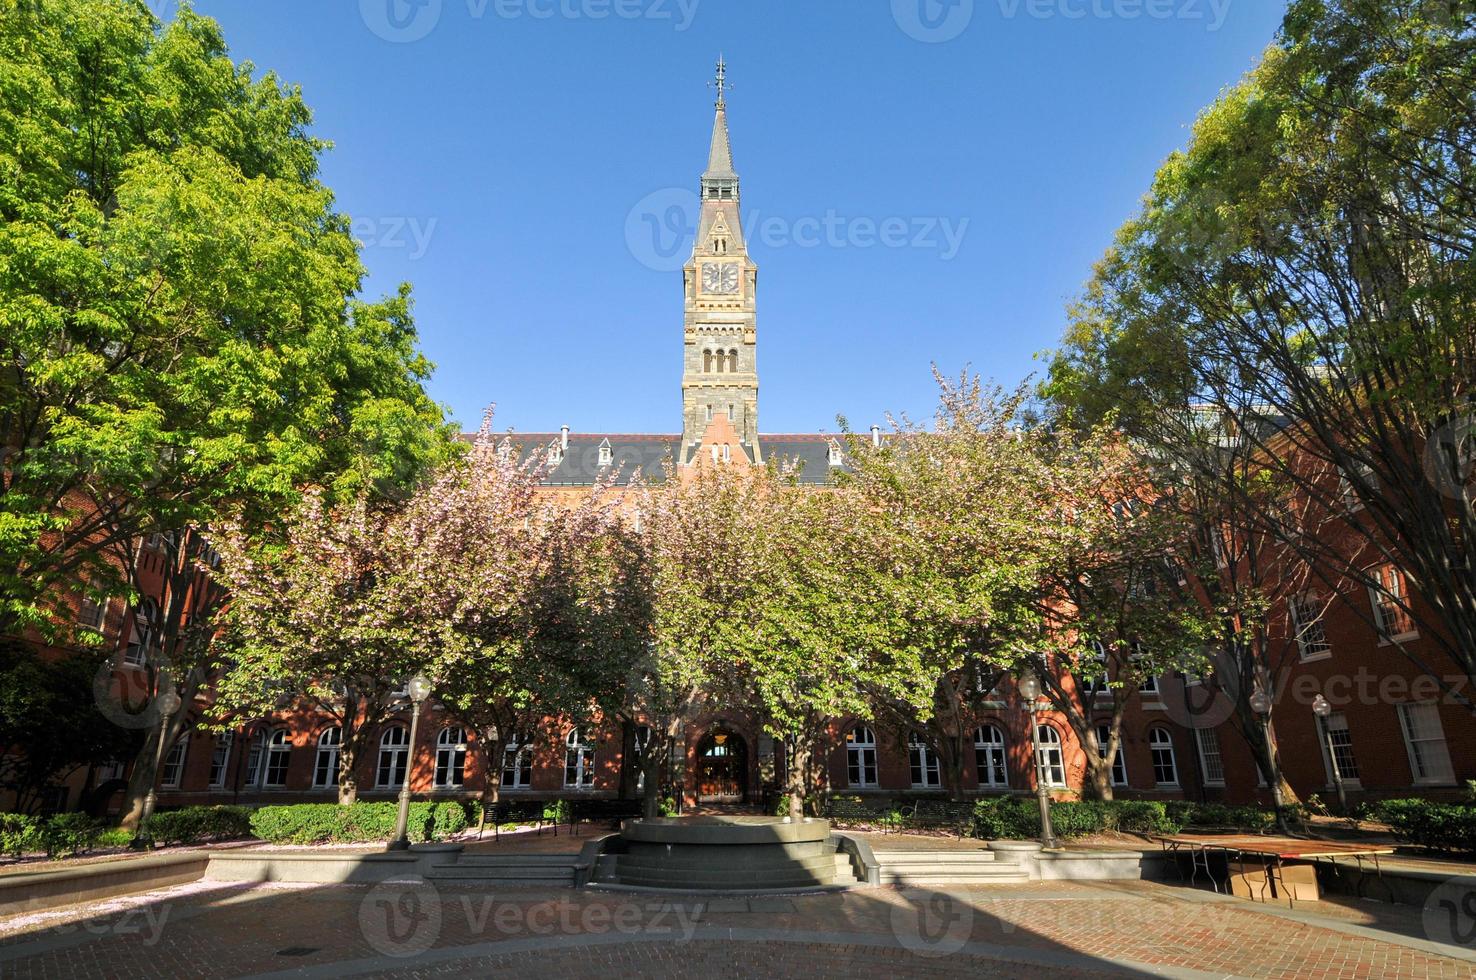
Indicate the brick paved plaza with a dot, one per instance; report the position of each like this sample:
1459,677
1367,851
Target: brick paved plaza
211,929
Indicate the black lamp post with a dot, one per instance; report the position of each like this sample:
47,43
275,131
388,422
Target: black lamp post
1322,709
420,688
168,703
1030,691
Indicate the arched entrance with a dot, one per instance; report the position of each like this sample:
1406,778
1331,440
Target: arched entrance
722,767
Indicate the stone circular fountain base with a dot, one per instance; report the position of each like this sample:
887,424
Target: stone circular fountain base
723,853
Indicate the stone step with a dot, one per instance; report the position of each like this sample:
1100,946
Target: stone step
726,882
516,860
965,860
1010,878
504,873
474,875
641,862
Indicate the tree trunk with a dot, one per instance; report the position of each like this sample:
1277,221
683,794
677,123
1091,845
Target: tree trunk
1098,785
348,774
145,769
651,770
951,764
490,749
794,777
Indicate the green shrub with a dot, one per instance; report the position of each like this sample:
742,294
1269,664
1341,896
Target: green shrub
192,824
447,819
68,834
557,811
1441,826
19,833
357,823
115,837
667,807
1006,818
1141,817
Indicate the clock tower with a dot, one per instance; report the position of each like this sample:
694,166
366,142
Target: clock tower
719,283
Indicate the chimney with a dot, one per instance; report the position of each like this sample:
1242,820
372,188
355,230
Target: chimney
564,437
876,435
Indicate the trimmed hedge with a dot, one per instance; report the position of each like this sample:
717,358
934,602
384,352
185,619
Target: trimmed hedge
1441,826
1017,817
192,824
19,832
357,823
68,834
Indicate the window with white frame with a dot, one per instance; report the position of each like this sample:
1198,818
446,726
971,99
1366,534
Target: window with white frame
1352,500
1050,764
517,765
1424,738
607,455
1119,764
1337,737
220,760
173,770
253,759
451,757
1149,685
1094,671
989,757
278,755
141,640
835,458
923,762
1306,624
325,762
394,757
861,757
1161,750
1387,597
110,771
1211,764
91,611
579,761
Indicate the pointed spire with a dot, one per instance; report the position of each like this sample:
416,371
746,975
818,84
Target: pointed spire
720,157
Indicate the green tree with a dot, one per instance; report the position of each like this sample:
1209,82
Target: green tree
176,301
1298,287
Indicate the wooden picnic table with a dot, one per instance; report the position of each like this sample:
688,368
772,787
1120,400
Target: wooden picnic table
1272,853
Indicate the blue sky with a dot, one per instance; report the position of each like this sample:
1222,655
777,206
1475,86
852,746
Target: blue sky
509,158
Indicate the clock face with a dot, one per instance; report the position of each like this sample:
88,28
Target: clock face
720,277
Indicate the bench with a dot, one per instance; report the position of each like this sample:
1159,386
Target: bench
850,811
941,815
518,811
600,811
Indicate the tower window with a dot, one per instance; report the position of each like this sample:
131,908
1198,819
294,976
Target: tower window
730,411
707,361
732,360
709,413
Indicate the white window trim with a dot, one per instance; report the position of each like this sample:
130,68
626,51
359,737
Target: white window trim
1409,748
1295,605
1002,747
1203,763
925,755
1324,743
1043,753
1119,761
1173,758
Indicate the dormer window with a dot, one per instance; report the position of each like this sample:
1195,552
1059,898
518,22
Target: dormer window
835,454
555,456
607,455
